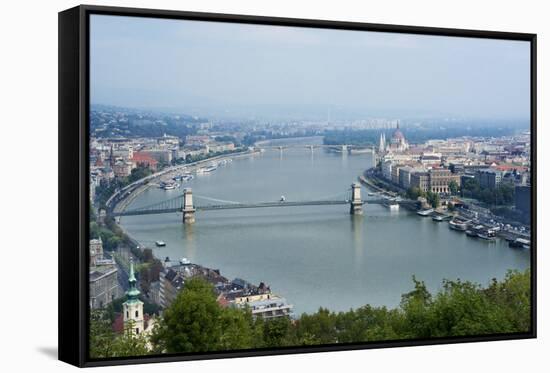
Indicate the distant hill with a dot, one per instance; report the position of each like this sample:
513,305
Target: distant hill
112,121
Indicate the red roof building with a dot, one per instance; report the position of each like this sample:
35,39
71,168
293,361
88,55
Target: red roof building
144,159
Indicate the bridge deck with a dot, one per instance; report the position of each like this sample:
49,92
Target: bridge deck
233,206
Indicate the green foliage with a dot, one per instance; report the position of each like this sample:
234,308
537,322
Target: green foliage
110,239
196,323
139,173
227,138
148,255
149,272
278,332
502,195
512,214
453,187
319,328
414,192
105,343
236,327
433,199
105,190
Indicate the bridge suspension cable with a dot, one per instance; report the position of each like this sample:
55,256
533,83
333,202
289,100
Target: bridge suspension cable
172,203
214,199
176,204
344,194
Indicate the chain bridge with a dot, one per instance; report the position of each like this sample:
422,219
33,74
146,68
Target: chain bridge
185,203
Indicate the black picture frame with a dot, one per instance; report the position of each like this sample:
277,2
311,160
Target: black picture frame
73,178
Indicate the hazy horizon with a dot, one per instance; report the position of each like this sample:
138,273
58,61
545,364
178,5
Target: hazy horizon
215,69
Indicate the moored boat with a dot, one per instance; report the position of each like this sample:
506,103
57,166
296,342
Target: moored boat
168,185
210,168
520,243
458,224
474,230
426,212
487,234
393,206
160,243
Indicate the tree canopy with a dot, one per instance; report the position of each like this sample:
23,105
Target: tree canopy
195,322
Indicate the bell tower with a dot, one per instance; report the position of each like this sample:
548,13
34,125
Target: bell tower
133,307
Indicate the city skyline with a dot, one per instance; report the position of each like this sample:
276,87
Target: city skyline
220,69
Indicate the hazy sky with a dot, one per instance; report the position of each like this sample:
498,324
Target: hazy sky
209,68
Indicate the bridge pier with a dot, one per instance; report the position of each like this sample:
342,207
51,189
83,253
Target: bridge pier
188,208
356,205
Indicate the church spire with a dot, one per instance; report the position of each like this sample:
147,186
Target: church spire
133,292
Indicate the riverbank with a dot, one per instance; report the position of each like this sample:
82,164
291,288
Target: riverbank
473,213
120,200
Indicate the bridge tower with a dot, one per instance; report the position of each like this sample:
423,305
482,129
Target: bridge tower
188,208
356,205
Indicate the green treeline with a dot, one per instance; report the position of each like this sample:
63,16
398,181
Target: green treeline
431,197
106,190
196,323
501,195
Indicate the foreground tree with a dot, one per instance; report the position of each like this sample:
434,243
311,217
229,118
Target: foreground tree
105,343
192,322
453,187
195,322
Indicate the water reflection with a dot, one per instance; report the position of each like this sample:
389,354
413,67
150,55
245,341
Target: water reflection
356,226
189,245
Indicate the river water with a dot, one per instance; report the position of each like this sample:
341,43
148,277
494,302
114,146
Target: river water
316,255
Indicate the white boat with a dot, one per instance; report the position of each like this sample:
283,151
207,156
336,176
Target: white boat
487,235
520,243
160,243
169,185
458,224
185,261
440,217
425,213
393,206
208,169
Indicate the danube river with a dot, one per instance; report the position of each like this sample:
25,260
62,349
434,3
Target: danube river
316,255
